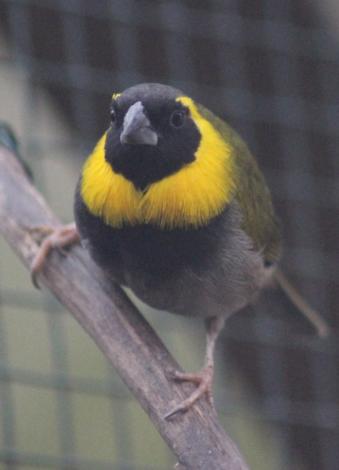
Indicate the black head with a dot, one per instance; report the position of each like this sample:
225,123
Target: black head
151,134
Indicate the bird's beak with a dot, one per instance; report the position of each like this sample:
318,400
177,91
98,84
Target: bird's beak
137,129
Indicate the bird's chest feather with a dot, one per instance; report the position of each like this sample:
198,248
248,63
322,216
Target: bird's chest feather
147,250
210,270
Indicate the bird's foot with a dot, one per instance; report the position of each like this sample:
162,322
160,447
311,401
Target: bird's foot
55,237
203,379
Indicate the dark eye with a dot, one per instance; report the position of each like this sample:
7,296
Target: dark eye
113,115
177,118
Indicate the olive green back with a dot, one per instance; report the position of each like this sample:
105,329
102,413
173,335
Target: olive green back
251,193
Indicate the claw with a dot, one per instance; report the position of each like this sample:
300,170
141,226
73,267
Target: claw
41,230
203,379
57,237
34,279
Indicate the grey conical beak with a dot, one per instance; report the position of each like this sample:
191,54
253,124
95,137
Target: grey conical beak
137,129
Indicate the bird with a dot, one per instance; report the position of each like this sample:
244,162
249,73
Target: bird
172,204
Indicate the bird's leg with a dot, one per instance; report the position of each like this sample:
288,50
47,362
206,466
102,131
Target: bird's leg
56,237
203,378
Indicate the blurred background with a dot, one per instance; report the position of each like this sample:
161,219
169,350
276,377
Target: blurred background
271,69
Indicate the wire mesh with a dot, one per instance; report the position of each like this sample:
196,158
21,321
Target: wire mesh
271,69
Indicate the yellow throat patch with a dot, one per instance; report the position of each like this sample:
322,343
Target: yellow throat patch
190,197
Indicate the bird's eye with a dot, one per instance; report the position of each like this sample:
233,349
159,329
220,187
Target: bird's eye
113,115
177,118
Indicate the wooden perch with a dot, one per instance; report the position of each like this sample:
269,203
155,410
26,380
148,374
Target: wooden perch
119,330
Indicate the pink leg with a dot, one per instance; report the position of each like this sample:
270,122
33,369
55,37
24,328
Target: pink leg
57,237
203,378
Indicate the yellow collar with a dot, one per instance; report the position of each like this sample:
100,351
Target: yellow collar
190,197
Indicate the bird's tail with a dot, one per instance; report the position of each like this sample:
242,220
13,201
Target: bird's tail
299,302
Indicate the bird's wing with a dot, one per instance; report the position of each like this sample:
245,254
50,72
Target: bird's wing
251,193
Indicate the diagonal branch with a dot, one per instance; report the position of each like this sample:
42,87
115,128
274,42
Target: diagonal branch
117,328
